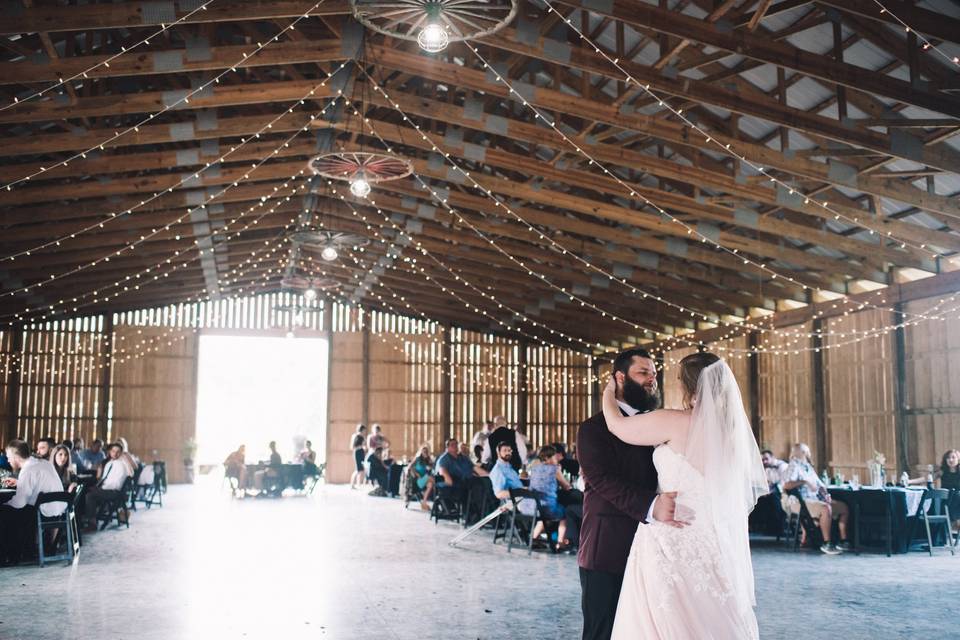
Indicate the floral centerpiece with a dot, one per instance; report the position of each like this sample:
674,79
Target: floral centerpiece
875,466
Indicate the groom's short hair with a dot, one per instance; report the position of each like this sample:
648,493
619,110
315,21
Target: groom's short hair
625,359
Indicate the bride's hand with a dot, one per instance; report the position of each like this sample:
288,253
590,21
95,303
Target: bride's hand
611,387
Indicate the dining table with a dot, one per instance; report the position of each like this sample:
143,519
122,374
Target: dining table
867,500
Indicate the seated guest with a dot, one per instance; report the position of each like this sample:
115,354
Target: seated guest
235,466
18,517
75,453
110,486
773,467
454,468
568,463
504,477
801,475
4,463
268,480
45,447
378,471
63,466
92,457
132,461
308,458
465,452
420,479
545,478
503,433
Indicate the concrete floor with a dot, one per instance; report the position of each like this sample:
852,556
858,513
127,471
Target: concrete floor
344,565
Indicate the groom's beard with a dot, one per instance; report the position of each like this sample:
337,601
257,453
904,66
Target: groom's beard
637,396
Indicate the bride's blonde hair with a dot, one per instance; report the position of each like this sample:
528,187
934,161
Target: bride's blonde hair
690,369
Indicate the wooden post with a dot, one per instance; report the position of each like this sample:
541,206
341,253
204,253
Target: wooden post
753,364
106,378
819,401
522,395
13,384
900,390
595,386
366,374
326,326
446,422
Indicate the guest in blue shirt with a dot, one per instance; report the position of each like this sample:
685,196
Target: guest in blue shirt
91,458
504,477
456,472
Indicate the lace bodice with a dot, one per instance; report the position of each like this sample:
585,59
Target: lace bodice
677,474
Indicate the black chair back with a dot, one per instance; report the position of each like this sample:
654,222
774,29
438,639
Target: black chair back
54,496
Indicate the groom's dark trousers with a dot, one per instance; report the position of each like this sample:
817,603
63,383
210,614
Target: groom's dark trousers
620,485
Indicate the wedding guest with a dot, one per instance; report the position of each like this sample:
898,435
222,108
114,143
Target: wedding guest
420,480
308,458
545,478
76,452
801,475
18,517
773,467
378,472
63,467
235,466
92,457
503,433
357,441
45,447
568,461
110,487
456,471
504,477
377,439
480,438
267,481
127,456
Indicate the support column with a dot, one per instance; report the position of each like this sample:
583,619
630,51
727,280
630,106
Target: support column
595,386
753,364
523,393
326,325
900,391
446,422
366,374
819,399
106,379
13,384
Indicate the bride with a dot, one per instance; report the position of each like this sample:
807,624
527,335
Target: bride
695,581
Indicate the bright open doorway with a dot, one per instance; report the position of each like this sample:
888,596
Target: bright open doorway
254,389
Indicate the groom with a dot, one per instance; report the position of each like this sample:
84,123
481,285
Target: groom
621,492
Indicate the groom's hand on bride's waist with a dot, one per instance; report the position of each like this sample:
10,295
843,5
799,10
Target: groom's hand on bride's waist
667,511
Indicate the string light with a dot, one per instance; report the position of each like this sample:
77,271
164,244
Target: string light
710,139
17,101
927,44
185,99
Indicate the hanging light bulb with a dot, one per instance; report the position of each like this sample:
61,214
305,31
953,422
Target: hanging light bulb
310,294
433,38
329,252
359,186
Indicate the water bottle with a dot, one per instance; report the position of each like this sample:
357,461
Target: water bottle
825,478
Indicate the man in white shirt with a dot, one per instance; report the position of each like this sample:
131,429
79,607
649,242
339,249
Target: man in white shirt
480,439
18,520
115,473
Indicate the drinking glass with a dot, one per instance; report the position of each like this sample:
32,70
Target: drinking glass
855,481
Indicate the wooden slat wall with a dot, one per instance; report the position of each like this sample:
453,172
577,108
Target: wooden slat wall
558,384
786,394
672,389
932,386
7,368
859,392
733,350
154,403
60,379
484,382
345,402
406,382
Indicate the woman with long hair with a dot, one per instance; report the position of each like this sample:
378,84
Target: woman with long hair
61,462
693,581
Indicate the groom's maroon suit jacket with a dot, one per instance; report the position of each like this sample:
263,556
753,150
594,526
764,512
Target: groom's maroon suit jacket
621,483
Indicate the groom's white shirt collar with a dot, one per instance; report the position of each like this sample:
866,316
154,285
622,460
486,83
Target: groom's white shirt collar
630,411
627,409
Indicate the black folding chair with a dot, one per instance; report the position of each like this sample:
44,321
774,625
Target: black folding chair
873,509
934,510
151,493
447,504
521,524
804,520
480,500
110,509
64,524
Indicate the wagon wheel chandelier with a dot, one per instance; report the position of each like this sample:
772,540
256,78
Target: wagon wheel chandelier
309,288
330,243
433,24
360,168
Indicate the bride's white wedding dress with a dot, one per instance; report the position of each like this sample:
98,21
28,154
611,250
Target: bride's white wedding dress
676,586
